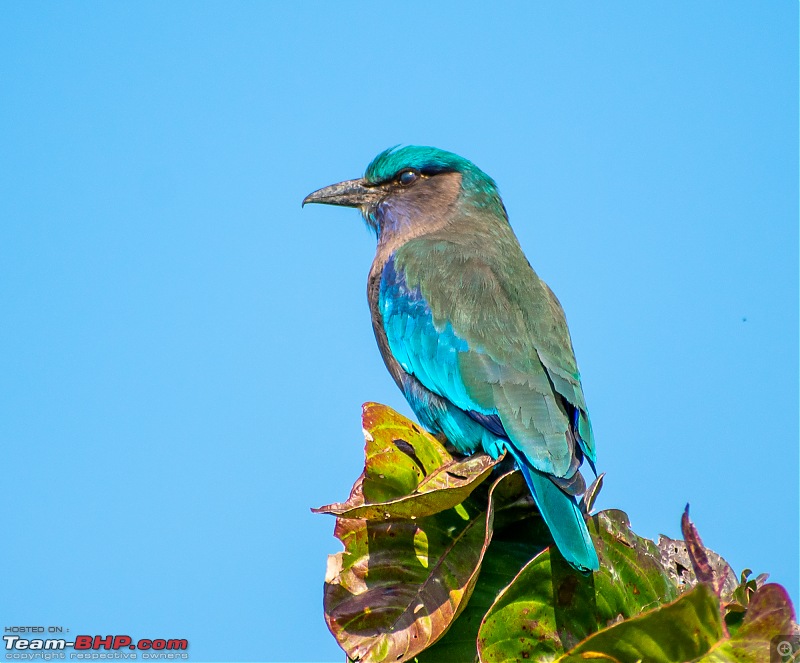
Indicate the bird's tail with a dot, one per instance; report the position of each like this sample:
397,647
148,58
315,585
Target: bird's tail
562,515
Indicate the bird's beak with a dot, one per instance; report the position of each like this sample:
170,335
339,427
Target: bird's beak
352,193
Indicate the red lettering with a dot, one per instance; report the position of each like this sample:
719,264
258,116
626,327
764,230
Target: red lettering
122,641
83,642
105,643
177,644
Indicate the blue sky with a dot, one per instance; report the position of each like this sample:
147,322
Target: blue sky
184,350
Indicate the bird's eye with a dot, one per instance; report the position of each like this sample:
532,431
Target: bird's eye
408,177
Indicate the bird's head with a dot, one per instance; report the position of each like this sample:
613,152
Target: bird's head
408,189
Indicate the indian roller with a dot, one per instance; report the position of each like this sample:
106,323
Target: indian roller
476,341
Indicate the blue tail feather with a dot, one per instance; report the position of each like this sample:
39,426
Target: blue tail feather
562,515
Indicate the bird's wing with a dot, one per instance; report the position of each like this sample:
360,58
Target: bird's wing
487,346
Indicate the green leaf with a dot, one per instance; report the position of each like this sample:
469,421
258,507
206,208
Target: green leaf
631,578
399,584
501,563
408,472
443,489
674,633
519,534
398,453
549,607
736,602
690,629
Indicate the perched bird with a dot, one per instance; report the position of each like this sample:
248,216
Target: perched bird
475,340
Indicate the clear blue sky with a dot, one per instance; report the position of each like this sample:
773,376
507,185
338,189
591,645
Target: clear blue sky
184,350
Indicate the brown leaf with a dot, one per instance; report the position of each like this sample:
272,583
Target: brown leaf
703,570
399,584
770,613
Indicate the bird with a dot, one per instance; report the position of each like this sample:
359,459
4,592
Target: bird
474,339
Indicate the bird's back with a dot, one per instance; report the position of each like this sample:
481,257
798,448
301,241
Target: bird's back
519,364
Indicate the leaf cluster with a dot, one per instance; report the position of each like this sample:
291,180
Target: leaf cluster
447,559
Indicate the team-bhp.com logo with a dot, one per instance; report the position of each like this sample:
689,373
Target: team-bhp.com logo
95,648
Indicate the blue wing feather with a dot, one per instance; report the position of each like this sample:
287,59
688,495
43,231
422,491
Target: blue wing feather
447,365
435,355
